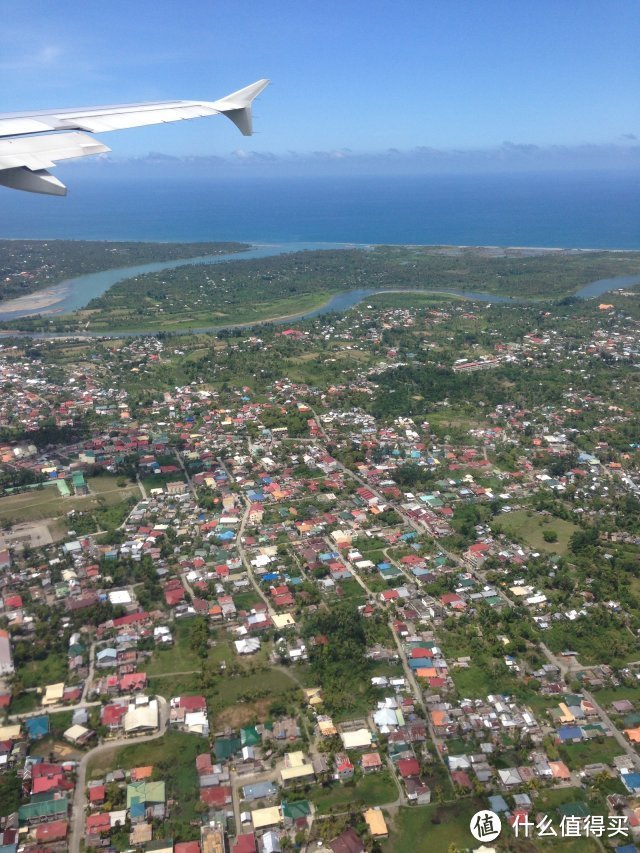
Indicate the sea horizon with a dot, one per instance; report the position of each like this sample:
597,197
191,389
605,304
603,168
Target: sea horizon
579,210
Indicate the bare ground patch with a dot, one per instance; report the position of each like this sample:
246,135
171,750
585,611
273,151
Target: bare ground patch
242,715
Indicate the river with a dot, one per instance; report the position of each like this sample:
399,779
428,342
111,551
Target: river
76,293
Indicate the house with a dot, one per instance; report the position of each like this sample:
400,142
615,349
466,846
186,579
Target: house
143,716
371,762
344,767
417,791
348,842
96,824
113,715
376,823
295,768
408,768
358,739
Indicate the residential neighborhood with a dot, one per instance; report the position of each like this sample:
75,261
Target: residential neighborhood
261,612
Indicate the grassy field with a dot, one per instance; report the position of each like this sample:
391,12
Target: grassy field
434,827
179,657
38,673
248,690
246,314
174,685
475,682
615,694
375,789
23,703
529,528
37,504
246,600
576,755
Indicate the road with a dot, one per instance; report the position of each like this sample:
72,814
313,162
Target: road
417,695
51,709
143,491
247,564
238,782
567,669
76,824
192,488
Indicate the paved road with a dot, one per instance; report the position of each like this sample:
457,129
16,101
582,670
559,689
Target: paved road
76,825
417,695
52,709
247,564
568,669
192,488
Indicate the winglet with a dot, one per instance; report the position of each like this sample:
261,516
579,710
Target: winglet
237,105
32,181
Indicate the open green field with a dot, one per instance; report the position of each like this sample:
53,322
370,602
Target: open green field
614,694
433,828
39,673
246,600
529,529
156,318
176,748
24,702
576,755
476,682
267,683
376,789
412,298
179,657
174,685
425,829
46,503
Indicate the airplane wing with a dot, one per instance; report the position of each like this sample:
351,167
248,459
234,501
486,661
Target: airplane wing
31,143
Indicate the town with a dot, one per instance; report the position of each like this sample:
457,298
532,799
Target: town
337,585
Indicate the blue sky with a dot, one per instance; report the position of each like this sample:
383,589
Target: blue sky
375,81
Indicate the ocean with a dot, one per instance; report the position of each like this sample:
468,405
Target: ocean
569,210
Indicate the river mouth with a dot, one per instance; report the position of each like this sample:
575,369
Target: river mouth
75,293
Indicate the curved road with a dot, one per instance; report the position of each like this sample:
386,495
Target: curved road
76,825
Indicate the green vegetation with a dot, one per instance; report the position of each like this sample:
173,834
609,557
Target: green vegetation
244,689
600,637
29,265
340,667
434,827
173,760
576,755
46,502
39,672
179,657
376,789
10,792
251,291
533,530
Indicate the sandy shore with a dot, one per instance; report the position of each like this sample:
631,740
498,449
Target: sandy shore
33,303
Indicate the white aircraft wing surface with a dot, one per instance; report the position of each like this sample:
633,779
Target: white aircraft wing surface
30,143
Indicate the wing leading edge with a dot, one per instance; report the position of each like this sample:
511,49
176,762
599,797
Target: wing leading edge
30,143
